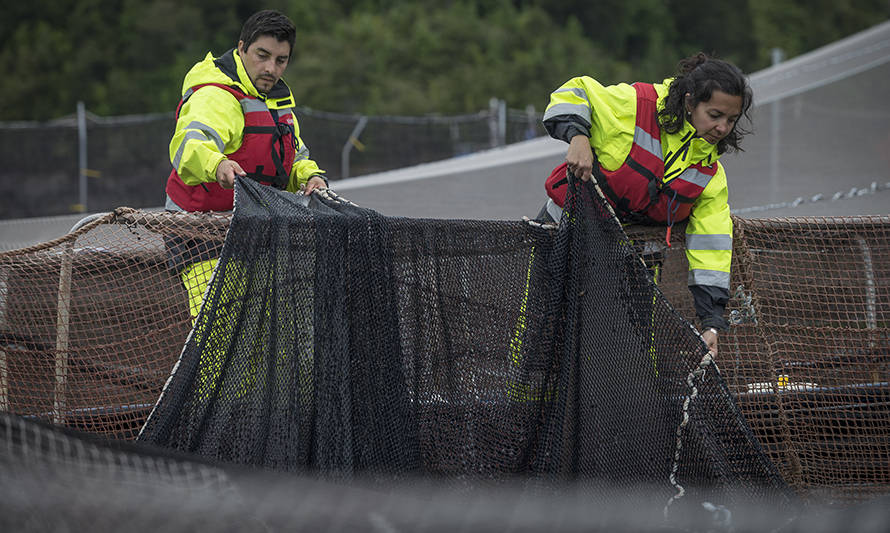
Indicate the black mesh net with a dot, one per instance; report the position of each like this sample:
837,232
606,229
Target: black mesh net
58,479
341,342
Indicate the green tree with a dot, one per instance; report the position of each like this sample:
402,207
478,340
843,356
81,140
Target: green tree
33,72
640,33
798,26
721,29
414,58
392,56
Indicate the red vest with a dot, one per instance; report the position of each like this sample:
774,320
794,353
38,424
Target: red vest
267,153
637,190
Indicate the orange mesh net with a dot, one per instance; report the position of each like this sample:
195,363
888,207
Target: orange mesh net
807,355
91,325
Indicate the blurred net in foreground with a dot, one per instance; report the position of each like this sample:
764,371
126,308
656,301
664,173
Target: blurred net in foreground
60,480
92,324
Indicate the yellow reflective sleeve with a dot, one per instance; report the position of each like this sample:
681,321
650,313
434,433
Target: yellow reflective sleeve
209,125
709,235
610,111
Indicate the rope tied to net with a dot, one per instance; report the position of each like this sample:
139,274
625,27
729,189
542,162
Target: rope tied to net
539,224
329,194
697,373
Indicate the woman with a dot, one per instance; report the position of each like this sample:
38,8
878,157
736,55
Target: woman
656,157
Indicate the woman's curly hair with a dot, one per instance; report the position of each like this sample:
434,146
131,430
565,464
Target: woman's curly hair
699,75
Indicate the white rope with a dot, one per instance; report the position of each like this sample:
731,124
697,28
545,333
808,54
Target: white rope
537,224
329,194
699,373
854,192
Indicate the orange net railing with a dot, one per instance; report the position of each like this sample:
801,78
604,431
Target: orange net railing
807,355
91,325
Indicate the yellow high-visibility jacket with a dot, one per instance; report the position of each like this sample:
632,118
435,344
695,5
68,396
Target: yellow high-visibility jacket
607,116
211,122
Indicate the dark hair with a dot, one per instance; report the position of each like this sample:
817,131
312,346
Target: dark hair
268,22
699,75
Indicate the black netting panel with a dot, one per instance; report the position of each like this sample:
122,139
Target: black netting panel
336,340
58,479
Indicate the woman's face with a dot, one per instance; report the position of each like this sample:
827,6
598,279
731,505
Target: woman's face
713,120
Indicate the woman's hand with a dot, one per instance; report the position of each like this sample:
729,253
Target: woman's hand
580,157
710,338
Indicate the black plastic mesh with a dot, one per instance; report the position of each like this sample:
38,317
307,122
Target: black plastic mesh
58,479
336,340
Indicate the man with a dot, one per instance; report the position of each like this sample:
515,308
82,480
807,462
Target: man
236,119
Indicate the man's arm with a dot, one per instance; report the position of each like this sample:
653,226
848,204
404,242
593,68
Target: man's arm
209,126
226,172
305,173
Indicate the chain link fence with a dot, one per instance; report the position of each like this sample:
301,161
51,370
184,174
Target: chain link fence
87,163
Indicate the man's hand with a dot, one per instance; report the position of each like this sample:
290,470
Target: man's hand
710,338
580,157
226,172
314,183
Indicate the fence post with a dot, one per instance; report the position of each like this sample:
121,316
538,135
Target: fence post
871,300
775,134
531,127
82,155
4,367
497,122
351,141
63,324
502,122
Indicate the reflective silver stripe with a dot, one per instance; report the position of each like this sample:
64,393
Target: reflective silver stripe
720,241
302,154
553,210
170,205
192,135
211,133
577,91
716,278
249,105
692,175
568,109
648,142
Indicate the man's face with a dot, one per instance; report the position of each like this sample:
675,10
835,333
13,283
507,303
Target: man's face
265,60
